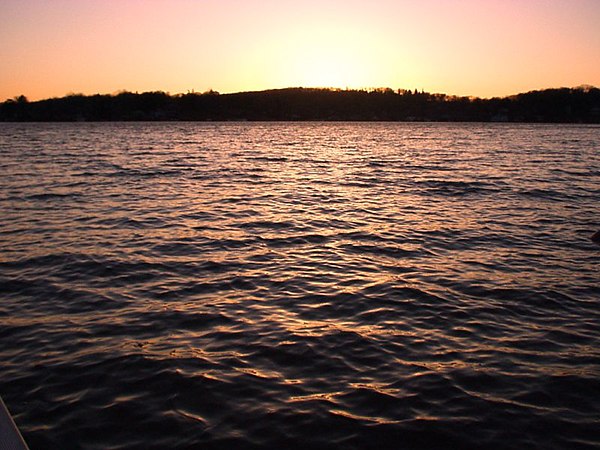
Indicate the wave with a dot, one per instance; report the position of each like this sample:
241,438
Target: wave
291,286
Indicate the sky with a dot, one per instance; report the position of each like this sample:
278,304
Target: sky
484,48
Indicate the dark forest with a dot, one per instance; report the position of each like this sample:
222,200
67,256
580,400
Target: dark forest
564,105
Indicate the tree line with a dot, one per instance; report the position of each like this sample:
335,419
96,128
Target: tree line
564,105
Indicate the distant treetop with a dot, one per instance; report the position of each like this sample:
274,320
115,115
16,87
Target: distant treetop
570,105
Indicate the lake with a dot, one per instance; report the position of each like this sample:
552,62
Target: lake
300,285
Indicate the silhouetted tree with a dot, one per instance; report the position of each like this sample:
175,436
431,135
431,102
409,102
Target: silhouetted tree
551,105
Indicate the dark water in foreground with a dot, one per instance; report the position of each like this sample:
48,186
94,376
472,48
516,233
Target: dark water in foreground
397,286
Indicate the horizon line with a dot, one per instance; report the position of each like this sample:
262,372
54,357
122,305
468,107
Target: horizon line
583,87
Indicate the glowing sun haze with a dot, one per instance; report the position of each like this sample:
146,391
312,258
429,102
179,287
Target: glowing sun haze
464,47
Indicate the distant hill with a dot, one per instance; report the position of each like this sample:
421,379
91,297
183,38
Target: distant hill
564,105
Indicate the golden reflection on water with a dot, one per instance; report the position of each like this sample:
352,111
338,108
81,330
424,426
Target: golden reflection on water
353,416
379,273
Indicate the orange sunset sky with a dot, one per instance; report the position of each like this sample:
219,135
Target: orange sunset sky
463,47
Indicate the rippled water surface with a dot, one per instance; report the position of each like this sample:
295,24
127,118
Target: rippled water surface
278,286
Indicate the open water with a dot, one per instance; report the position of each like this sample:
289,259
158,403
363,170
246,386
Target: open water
297,286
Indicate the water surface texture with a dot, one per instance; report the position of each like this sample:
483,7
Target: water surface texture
281,286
